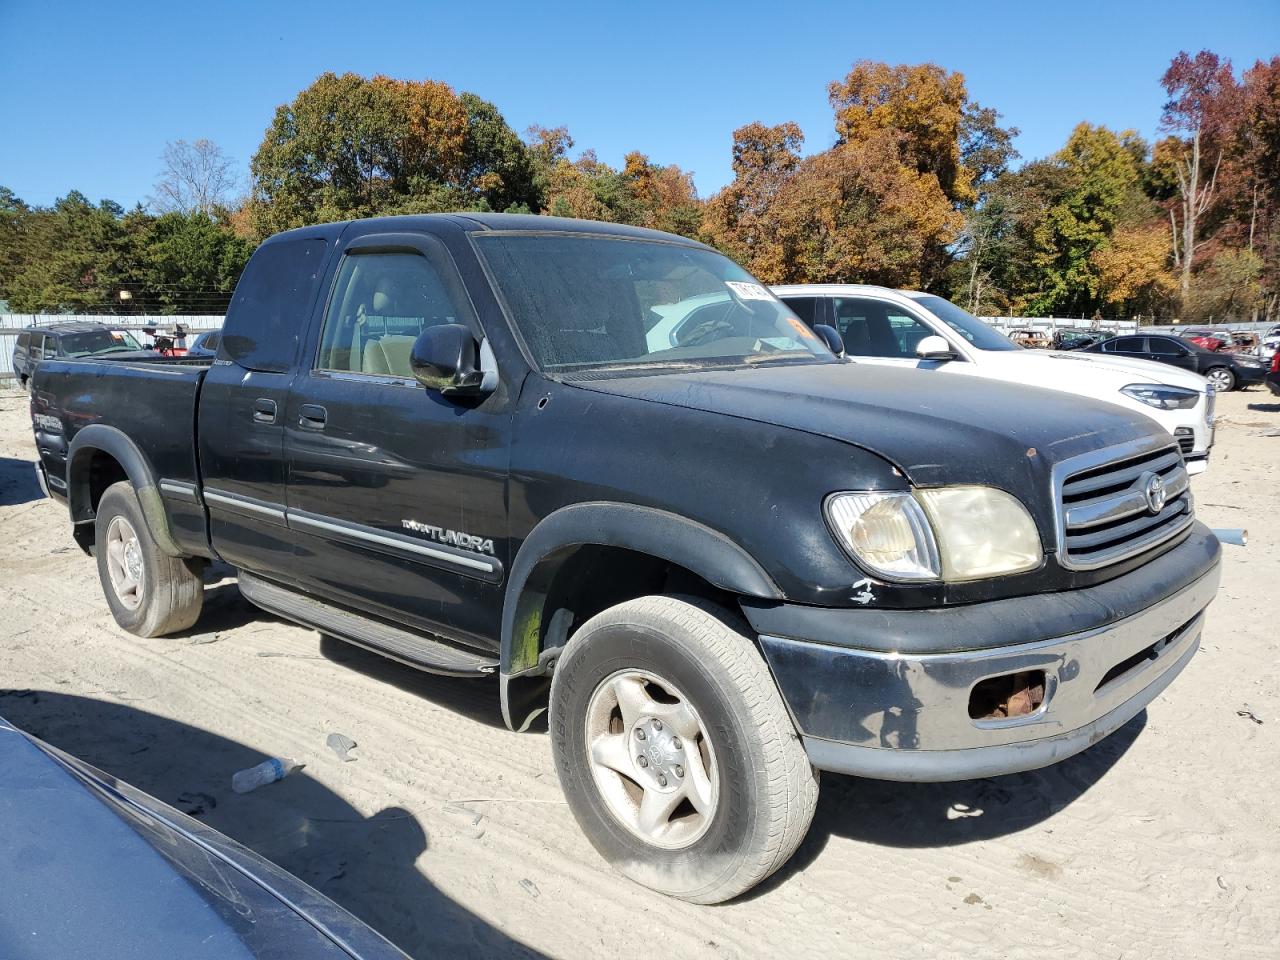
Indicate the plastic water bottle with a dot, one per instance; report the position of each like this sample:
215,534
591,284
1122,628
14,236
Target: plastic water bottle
268,771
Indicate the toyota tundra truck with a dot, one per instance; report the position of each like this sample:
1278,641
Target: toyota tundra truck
720,566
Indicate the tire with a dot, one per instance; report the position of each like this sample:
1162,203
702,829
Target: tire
762,788
168,593
1222,377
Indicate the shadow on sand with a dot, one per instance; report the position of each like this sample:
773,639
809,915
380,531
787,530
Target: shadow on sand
366,864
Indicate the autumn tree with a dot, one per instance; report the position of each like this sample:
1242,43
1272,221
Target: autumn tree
940,130
1132,268
1247,204
347,146
856,213
665,196
1200,90
739,219
497,167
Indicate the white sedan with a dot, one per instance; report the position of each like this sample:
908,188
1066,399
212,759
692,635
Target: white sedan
907,328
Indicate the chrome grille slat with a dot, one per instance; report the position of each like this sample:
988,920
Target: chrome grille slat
1103,513
1075,488
1106,510
1123,531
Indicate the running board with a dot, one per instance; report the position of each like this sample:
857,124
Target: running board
414,649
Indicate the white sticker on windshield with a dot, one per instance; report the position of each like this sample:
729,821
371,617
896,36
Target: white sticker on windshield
748,291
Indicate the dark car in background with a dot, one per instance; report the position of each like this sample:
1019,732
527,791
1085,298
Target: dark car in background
73,341
1226,371
97,868
1076,339
205,345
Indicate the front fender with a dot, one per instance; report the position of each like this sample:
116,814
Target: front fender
687,543
99,437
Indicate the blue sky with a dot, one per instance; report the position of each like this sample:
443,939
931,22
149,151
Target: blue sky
91,92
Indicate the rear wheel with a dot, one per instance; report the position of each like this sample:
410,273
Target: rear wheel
675,751
1222,378
149,592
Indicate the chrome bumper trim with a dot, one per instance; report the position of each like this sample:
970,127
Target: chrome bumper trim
911,713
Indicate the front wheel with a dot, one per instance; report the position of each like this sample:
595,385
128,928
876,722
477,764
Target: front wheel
675,751
1222,378
149,592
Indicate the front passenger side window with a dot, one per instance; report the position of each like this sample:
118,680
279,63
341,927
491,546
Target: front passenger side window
875,328
381,303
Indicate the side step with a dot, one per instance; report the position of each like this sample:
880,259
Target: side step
414,649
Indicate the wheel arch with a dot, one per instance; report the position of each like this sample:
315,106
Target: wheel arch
98,456
533,626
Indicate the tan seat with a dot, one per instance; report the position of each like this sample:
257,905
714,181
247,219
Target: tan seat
388,355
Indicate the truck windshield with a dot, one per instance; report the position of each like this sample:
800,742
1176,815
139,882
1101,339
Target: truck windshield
601,303
97,341
967,325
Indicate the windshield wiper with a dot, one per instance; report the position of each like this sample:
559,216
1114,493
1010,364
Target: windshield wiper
627,367
783,355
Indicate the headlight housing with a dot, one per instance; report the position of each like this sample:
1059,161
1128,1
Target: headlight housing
1162,396
984,532
887,532
947,533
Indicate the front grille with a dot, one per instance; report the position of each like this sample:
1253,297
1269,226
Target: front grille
1210,402
1104,511
1186,439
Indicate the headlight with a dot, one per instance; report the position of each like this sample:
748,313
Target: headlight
887,533
949,533
1164,397
983,532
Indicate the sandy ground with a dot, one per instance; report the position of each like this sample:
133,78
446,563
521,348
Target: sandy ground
449,835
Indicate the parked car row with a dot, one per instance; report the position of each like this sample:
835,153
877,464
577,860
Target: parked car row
724,545
77,339
1226,371
70,340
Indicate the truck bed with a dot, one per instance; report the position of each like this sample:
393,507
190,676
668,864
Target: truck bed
152,402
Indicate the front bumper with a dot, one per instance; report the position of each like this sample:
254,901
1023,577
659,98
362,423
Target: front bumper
1248,376
903,714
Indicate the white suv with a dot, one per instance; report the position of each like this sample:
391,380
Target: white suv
907,328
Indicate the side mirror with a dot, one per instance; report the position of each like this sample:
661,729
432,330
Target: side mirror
831,337
446,358
934,347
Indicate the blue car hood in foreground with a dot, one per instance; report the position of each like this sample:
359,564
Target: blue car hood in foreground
91,867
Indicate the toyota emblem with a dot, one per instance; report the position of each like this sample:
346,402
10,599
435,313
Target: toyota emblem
1155,492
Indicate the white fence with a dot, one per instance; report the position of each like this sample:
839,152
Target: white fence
11,324
1050,324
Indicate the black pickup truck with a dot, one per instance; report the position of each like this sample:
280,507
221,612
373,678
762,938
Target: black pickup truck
722,559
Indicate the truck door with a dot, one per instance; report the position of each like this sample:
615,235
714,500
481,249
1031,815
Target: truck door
242,401
396,494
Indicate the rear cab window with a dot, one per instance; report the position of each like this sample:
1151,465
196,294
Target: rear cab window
272,303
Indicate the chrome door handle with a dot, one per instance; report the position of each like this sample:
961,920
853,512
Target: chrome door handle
264,410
